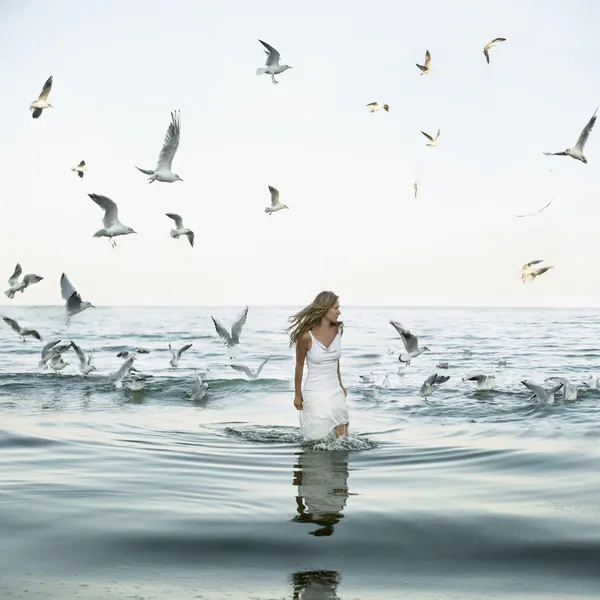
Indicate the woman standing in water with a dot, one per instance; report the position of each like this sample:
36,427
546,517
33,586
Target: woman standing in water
317,332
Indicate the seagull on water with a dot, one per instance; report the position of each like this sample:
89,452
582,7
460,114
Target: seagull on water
21,331
180,229
112,226
484,382
529,273
176,356
411,343
275,204
37,106
79,169
74,304
592,382
52,350
426,67
19,286
432,141
124,354
272,64
249,372
443,365
117,378
236,329
577,151
367,378
489,46
540,393
569,393
537,212
431,384
199,388
163,172
85,364
374,106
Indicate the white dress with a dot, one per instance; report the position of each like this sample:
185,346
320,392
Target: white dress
323,402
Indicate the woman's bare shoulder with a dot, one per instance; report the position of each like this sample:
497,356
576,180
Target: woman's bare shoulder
304,341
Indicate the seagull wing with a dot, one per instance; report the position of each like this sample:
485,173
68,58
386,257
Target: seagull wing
14,278
183,349
46,89
222,331
372,104
427,136
410,341
12,324
398,327
111,212
274,195
538,211
178,220
538,390
125,368
427,59
171,143
439,379
236,328
48,347
585,134
555,153
430,380
33,333
81,164
477,378
530,264
66,287
262,364
243,369
190,237
80,354
30,279
272,54
495,41
438,135
487,54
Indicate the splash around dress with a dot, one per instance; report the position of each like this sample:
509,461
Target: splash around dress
323,401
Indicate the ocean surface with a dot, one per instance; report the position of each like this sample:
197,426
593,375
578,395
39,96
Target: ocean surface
109,493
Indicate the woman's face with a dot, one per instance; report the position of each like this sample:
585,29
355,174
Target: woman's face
333,314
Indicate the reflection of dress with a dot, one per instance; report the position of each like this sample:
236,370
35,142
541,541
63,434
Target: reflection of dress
323,402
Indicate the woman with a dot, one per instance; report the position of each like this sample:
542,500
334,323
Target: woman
316,332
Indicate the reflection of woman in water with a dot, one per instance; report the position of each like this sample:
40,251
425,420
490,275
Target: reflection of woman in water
315,585
317,334
322,480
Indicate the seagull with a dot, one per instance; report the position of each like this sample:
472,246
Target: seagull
124,354
433,142
249,372
199,388
416,187
272,64
85,366
117,377
74,304
529,274
443,365
592,382
491,45
569,393
163,172
502,362
386,382
411,343
22,331
19,286
57,363
540,393
275,204
484,382
367,378
537,212
577,151
236,329
79,169
174,362
180,229
134,381
112,226
37,106
51,350
425,68
431,384
374,106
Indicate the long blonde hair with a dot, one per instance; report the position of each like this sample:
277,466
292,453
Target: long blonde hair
311,315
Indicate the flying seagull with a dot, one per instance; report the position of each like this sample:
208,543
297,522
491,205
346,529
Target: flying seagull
540,393
275,204
569,393
37,106
163,172
74,304
577,151
79,169
489,46
180,229
484,382
416,188
431,384
112,226
537,212
176,356
272,64
236,329
432,142
123,371
14,285
411,343
529,273
52,350
373,106
21,331
85,364
426,67
249,372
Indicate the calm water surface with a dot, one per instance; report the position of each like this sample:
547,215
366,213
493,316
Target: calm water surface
107,493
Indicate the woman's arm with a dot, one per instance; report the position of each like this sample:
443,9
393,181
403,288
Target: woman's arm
301,350
340,380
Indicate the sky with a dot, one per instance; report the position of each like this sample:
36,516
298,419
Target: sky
347,175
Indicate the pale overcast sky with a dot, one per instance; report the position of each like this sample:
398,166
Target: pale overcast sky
353,226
